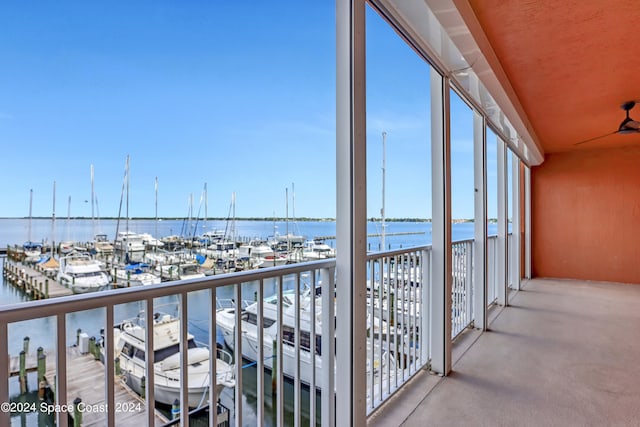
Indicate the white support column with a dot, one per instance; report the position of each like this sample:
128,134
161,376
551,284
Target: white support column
5,416
351,214
527,222
441,276
480,281
514,268
501,252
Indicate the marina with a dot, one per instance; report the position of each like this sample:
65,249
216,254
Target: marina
383,359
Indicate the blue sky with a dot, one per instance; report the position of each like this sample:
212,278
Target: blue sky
240,95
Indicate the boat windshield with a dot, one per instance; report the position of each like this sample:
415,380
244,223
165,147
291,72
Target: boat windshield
163,353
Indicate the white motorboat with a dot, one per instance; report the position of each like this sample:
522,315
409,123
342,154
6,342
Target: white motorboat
314,249
130,246
32,251
137,274
129,346
225,319
82,274
181,271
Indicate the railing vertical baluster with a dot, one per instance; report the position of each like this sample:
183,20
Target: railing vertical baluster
184,363
387,340
413,307
381,292
260,365
296,384
328,346
62,419
469,293
213,357
396,338
5,416
109,366
237,356
312,351
279,380
371,298
149,361
425,313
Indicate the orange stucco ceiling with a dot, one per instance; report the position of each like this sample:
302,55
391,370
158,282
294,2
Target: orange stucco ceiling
571,63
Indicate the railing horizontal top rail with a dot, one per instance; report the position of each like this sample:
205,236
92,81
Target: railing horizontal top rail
51,307
376,255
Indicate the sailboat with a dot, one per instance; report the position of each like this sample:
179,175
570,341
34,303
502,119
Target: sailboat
32,250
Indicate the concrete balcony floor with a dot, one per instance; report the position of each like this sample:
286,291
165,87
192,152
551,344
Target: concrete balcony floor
564,353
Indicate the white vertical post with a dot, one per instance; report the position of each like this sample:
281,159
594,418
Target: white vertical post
213,356
425,303
501,252
441,255
351,213
237,337
514,269
327,348
109,367
480,281
184,361
149,361
527,222
62,418
5,416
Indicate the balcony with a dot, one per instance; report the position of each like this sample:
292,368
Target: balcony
561,354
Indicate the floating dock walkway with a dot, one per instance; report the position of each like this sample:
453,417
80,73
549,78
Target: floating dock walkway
32,281
85,383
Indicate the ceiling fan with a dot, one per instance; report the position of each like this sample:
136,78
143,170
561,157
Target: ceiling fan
627,126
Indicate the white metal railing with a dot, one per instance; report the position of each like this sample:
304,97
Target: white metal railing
300,300
462,286
492,266
320,274
398,290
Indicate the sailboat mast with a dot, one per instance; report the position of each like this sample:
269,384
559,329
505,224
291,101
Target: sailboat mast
93,198
206,206
30,213
233,223
286,192
155,247
127,207
384,171
53,221
68,218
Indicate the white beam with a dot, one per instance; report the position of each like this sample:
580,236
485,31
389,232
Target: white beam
351,213
480,221
441,278
501,253
527,222
514,270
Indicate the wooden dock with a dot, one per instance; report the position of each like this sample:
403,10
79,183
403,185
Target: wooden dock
86,381
35,282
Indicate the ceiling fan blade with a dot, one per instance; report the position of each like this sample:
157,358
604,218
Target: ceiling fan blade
596,138
632,124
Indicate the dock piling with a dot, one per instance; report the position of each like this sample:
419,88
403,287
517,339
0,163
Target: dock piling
77,413
23,372
42,364
143,386
25,344
175,410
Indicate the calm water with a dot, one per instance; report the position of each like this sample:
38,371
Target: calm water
42,331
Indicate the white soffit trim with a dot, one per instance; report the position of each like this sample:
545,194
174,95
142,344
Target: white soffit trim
438,29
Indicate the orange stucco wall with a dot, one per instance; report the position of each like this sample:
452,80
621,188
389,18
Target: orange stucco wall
586,215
